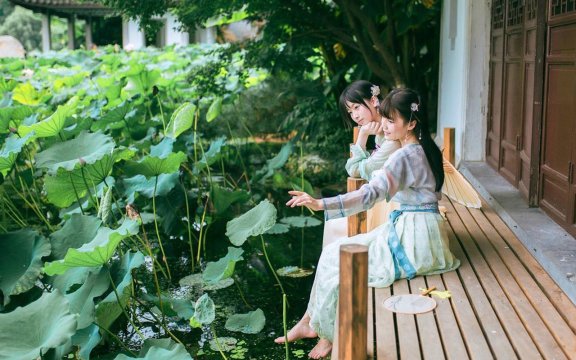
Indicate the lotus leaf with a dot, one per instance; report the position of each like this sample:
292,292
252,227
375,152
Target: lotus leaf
30,331
113,118
26,94
156,349
278,229
21,255
86,339
10,151
214,110
181,120
223,268
276,162
301,221
154,166
222,284
53,124
139,184
95,253
82,300
109,309
77,231
223,344
255,221
90,147
222,198
61,189
294,272
12,116
73,276
249,323
204,310
211,155
163,149
183,308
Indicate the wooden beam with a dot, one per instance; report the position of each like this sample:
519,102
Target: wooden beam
46,34
88,33
357,224
449,148
353,302
71,32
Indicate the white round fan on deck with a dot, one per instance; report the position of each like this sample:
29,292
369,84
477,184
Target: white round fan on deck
457,188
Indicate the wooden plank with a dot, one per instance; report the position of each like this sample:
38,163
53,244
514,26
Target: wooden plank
557,297
480,327
406,326
450,334
540,338
353,303
370,322
357,224
540,312
384,327
430,341
518,336
449,145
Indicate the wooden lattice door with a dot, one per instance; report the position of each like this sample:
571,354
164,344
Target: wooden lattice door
558,158
512,84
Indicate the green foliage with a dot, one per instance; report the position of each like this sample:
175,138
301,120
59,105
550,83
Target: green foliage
21,254
21,23
30,331
254,222
250,323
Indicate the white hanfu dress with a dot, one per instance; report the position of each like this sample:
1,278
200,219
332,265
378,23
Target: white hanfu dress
414,243
362,164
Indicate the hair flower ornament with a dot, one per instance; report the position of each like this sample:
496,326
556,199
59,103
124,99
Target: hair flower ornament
414,107
375,90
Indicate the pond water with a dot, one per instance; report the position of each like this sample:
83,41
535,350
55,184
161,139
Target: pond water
255,287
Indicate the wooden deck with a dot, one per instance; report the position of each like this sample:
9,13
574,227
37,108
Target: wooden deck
503,304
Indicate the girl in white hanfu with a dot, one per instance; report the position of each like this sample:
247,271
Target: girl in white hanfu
359,102
412,242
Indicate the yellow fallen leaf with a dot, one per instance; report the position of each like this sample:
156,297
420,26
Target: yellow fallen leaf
442,294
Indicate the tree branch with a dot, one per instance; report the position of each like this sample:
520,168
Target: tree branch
380,47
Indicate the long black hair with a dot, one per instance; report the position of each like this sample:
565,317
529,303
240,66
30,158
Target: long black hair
357,93
406,103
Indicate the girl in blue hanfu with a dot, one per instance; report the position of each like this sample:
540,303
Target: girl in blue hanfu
359,102
412,242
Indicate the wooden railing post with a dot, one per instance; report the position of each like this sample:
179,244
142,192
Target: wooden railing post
449,147
357,224
353,302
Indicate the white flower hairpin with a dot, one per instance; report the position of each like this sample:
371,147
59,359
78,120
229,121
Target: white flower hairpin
414,107
375,90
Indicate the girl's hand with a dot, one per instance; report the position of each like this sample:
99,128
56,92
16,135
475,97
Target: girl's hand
300,198
372,128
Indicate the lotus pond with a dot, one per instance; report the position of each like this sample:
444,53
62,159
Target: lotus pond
136,221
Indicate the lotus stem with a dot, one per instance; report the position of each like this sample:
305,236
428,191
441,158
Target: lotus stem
94,203
158,231
115,338
270,265
217,343
201,231
76,193
241,293
161,113
284,302
188,227
158,320
122,306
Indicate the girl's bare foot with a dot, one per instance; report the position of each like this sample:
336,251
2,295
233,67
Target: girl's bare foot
321,350
300,331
